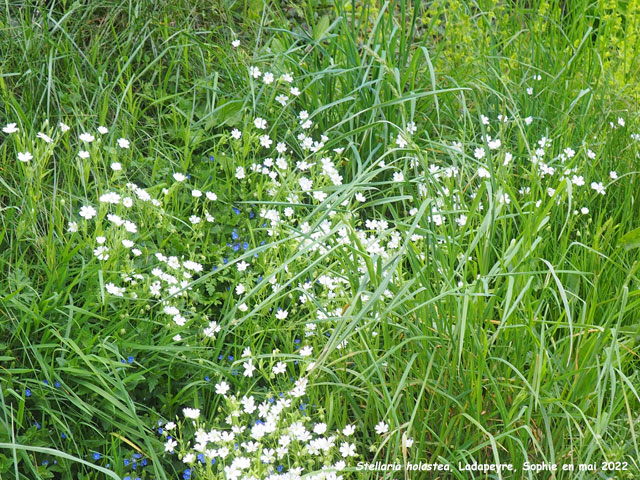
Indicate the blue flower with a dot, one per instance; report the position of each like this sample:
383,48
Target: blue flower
126,462
231,358
245,245
280,468
96,456
211,159
130,359
234,234
143,462
236,210
45,381
27,392
57,385
38,426
137,455
200,457
206,378
63,435
160,430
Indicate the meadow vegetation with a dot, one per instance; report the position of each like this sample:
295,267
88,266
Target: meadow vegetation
271,240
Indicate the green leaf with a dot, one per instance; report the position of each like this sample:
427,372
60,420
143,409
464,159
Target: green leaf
630,239
321,27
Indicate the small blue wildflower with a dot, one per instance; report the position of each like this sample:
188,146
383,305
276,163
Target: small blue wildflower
251,214
220,357
189,176
245,245
134,465
234,234
96,456
225,260
64,436
126,462
127,478
27,392
271,400
130,359
280,468
137,455
231,358
200,457
57,385
160,430
234,371
187,474
297,340
236,247
45,381
45,463
37,425
143,462
211,159
236,210
206,378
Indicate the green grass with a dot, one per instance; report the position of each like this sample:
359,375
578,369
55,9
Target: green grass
512,338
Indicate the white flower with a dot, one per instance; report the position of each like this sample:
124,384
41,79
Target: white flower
598,187
287,77
102,130
73,227
235,133
116,166
127,243
282,314
613,175
242,266
87,212
398,177
24,156
591,154
114,290
507,159
127,202
260,123
347,449
265,141
64,127
584,210
101,252
400,141
179,177
222,388
211,196
282,99
530,91
305,184
45,137
621,121
194,219
100,240
295,91
479,153
267,78
381,428
484,120
483,173
240,173
255,72
279,368
123,143
83,154
192,413
306,351
170,445
411,128
10,128
248,368
528,120
235,43
348,430
87,137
